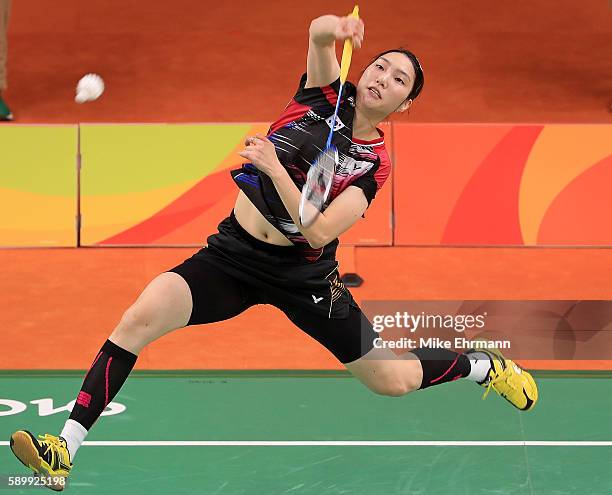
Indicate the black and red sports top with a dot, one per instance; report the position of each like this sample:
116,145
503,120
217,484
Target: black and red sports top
299,135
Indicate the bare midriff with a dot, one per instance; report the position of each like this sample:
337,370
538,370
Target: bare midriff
254,222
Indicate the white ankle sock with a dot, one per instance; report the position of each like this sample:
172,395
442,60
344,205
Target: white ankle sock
74,433
481,364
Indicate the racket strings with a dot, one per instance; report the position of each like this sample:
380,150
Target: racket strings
318,185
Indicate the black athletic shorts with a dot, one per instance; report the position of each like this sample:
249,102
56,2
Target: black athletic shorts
237,271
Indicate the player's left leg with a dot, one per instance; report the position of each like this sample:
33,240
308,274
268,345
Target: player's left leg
351,340
382,369
348,339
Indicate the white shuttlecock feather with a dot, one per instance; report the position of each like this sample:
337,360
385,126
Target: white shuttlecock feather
89,88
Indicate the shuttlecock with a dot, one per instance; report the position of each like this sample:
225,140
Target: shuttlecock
89,88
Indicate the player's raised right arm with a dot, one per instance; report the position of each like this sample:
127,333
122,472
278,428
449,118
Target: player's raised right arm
322,65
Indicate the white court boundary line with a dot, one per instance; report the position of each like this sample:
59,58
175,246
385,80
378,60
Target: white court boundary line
344,443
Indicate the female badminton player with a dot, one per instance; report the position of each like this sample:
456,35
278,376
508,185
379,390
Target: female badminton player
261,253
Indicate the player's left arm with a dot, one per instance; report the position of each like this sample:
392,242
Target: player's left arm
340,215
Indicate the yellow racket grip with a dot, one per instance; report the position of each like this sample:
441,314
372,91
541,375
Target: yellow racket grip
347,51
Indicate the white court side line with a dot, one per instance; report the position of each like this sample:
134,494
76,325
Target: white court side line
344,443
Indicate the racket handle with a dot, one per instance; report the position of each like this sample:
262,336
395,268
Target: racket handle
347,52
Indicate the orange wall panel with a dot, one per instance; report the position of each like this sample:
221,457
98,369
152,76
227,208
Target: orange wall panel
518,185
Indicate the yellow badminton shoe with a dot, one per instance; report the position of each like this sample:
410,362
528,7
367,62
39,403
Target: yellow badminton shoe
510,381
48,456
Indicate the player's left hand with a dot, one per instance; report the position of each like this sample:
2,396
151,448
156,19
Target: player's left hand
260,152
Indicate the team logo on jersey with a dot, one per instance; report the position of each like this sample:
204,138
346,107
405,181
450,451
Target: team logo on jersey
339,123
349,166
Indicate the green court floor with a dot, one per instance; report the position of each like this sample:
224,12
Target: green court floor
438,427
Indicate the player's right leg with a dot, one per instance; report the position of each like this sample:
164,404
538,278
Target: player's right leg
164,305
194,292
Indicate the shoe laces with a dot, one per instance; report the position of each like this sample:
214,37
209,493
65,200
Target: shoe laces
504,376
51,441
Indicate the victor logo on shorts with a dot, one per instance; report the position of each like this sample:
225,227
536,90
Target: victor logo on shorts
316,299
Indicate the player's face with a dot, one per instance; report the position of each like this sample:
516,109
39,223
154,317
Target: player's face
385,84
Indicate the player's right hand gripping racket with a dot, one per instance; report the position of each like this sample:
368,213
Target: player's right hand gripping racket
321,173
